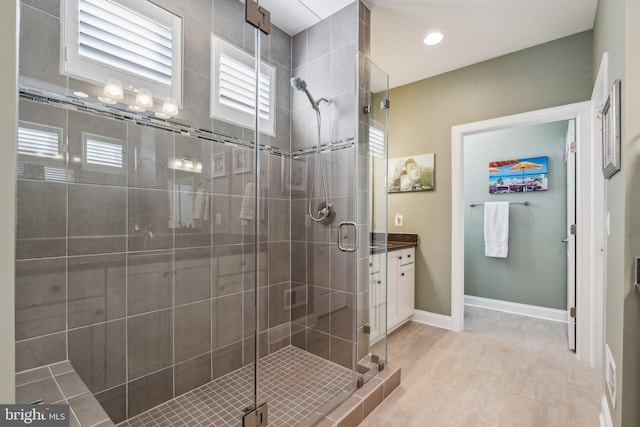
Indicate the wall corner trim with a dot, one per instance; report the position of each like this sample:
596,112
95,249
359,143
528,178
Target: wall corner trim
545,313
605,415
432,319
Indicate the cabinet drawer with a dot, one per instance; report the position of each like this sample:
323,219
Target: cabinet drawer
374,264
407,256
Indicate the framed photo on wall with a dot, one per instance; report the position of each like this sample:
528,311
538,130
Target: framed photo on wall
611,132
218,162
241,160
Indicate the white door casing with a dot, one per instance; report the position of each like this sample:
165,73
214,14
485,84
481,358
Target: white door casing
581,112
570,239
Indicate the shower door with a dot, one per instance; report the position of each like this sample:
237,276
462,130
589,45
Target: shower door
372,207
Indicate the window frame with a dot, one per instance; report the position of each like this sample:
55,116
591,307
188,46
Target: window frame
35,158
95,167
228,113
80,67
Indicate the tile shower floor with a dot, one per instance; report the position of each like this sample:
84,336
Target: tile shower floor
293,382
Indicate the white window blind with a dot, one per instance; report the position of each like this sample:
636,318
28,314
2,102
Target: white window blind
233,89
103,154
114,35
58,174
238,87
39,141
134,41
376,142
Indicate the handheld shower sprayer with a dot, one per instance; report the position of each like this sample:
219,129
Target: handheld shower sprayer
326,210
301,85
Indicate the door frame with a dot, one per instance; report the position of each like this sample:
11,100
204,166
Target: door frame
581,113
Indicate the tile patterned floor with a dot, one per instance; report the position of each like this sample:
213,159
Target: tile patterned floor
504,370
294,383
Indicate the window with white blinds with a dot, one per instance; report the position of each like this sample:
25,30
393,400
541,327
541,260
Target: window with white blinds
103,154
233,91
134,41
39,141
376,142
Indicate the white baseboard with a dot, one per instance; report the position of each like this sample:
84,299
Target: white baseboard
552,314
605,415
432,319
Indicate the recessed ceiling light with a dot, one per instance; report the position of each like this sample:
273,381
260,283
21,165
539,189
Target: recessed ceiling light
80,94
433,38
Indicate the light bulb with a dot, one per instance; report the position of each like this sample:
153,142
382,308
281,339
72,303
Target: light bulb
144,98
188,164
433,38
113,89
107,100
170,107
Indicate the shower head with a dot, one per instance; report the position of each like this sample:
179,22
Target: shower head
298,83
301,85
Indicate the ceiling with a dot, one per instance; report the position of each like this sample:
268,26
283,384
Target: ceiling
474,30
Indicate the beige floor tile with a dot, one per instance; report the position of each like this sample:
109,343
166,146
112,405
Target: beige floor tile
412,406
450,415
482,393
584,406
522,412
375,421
543,390
582,374
504,368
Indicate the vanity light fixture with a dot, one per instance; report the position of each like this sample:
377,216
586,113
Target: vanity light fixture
113,89
112,92
170,107
186,164
144,98
433,38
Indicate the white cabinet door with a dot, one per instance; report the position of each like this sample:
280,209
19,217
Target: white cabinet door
406,293
392,288
373,315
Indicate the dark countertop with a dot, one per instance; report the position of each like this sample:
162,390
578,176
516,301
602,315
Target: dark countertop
395,242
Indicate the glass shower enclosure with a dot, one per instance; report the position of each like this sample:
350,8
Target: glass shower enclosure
196,207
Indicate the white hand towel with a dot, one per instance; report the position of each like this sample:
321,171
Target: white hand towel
248,202
201,205
496,229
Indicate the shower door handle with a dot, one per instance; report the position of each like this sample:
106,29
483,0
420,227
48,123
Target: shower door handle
340,228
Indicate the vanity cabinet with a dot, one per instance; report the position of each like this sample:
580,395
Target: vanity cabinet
377,298
399,293
400,287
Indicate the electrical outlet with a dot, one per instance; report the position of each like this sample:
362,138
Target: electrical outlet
218,219
610,376
399,220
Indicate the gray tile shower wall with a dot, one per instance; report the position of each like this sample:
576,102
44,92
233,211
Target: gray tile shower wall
325,56
142,275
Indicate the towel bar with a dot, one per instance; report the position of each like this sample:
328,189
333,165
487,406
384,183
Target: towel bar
526,203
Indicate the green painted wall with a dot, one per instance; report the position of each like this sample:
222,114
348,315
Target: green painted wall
616,32
631,114
535,231
420,121
609,36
